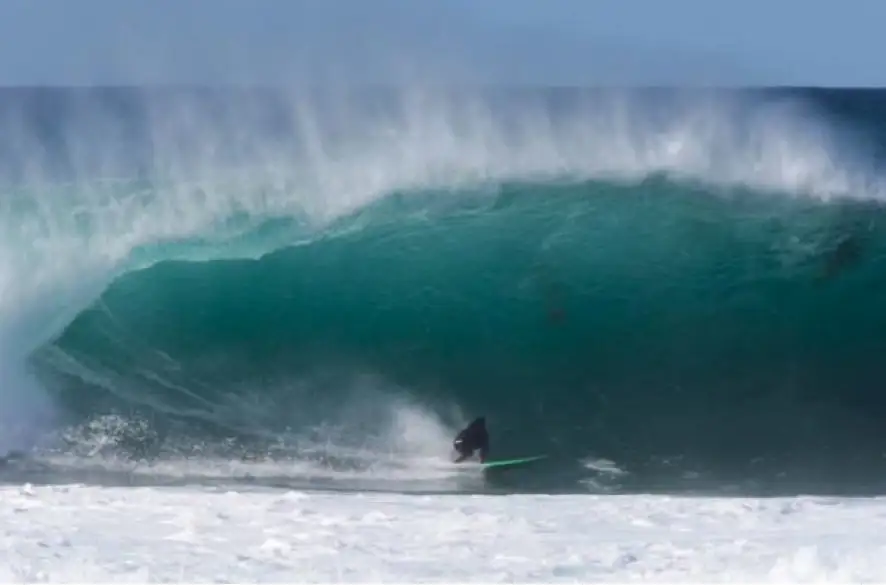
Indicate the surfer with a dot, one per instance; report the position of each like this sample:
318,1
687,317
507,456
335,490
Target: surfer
472,438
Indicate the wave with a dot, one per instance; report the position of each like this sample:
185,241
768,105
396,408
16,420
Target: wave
681,283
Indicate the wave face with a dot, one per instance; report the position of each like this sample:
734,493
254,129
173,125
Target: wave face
661,290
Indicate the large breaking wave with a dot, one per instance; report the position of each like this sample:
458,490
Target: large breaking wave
659,289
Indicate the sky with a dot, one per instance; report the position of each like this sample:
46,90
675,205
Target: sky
577,42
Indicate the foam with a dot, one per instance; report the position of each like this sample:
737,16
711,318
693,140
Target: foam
84,534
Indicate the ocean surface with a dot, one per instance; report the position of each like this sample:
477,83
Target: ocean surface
676,291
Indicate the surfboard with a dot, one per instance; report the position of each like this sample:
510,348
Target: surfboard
511,462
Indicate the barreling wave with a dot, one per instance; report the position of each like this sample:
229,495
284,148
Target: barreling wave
683,285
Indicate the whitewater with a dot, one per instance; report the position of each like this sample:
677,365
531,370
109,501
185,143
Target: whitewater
239,329
74,534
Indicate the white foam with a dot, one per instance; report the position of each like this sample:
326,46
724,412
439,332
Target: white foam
377,437
86,534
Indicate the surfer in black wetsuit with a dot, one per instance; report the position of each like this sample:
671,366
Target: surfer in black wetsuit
472,438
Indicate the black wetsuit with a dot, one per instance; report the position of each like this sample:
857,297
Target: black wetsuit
474,437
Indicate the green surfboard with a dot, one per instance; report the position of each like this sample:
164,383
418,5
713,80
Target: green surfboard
511,462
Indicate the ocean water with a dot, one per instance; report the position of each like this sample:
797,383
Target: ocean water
662,290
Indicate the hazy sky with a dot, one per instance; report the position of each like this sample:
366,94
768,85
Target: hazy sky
804,42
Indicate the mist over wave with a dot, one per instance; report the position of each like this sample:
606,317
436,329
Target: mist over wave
683,283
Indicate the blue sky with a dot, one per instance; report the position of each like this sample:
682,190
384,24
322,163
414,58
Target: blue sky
811,42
